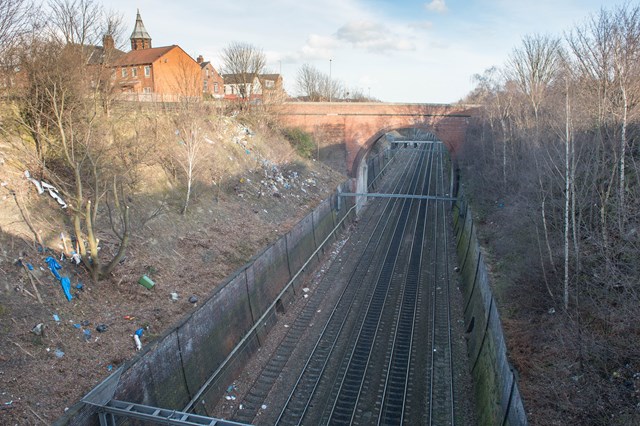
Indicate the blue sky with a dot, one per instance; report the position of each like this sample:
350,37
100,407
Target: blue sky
395,50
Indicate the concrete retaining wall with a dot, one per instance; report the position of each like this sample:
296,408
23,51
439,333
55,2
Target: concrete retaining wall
497,396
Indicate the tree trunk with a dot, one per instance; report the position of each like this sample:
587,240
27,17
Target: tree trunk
623,151
567,198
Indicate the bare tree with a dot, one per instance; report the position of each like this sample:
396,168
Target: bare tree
187,81
72,144
308,83
316,86
245,63
192,144
626,51
534,66
16,19
76,21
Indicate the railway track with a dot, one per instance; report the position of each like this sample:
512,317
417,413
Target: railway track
373,344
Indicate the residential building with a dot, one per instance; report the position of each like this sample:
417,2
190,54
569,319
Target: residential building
242,87
165,73
272,88
212,81
263,88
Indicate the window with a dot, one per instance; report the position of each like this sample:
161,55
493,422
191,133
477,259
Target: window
124,72
147,71
134,72
205,85
206,72
146,90
269,84
215,87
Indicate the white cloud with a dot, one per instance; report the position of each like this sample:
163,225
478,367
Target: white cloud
436,6
372,36
422,25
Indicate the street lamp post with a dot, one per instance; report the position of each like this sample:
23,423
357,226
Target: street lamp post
330,84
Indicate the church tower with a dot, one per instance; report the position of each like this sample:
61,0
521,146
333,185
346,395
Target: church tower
140,38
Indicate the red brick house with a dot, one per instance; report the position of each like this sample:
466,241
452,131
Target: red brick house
212,81
165,73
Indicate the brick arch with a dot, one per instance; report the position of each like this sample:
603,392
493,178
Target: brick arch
358,125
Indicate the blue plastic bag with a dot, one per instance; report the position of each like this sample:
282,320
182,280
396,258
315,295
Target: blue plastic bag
53,266
66,287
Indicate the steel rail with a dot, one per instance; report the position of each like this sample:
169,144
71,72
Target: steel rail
317,371
394,397
437,327
448,288
350,388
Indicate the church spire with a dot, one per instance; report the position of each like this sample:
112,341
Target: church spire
140,38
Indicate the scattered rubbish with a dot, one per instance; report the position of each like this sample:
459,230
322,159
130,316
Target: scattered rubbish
145,281
139,332
53,266
551,311
174,296
30,266
306,295
87,335
231,388
66,287
136,339
85,323
59,353
230,397
56,318
109,367
264,406
77,325
38,329
241,407
76,258
101,328
193,299
41,186
9,403
79,286
457,269
286,326
306,289
129,317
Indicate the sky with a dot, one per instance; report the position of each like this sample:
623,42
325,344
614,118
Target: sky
418,51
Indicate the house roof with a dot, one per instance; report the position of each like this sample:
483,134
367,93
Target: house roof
139,31
144,56
273,77
97,54
237,78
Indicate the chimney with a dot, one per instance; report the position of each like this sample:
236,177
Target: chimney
107,42
200,59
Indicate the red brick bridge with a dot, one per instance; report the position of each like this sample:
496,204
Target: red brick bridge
356,126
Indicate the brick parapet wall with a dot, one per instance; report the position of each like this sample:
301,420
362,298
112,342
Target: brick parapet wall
358,125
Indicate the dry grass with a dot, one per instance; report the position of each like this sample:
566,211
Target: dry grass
250,189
